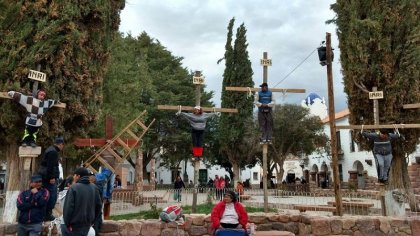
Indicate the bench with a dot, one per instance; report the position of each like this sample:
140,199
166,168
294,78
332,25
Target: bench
351,207
245,197
304,208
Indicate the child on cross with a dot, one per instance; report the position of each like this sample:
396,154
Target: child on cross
36,108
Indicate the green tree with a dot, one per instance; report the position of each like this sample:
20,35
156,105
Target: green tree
380,47
235,138
299,136
70,41
150,75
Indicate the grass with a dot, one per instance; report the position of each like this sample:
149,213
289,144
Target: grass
201,209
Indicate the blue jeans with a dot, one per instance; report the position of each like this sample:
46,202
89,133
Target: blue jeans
52,188
29,229
384,163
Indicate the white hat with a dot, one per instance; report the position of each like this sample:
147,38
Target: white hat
197,107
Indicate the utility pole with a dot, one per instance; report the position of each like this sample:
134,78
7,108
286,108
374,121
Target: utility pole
333,133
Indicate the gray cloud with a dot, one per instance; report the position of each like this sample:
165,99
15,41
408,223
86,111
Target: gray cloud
288,30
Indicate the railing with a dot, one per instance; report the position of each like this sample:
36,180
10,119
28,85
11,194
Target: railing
320,202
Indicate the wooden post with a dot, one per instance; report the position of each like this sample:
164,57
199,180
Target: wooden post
265,145
331,114
196,162
152,174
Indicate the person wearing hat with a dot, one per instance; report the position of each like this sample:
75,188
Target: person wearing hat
36,108
83,204
265,100
50,172
31,205
198,120
229,213
382,151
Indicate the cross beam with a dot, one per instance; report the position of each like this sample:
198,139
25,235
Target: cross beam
411,106
247,89
399,126
189,108
59,105
100,142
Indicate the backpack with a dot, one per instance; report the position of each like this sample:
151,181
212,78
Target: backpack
171,214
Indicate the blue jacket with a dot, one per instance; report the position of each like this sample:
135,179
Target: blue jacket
264,97
105,183
382,147
32,207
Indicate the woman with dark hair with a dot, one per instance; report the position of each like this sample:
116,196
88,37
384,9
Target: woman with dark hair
229,213
198,120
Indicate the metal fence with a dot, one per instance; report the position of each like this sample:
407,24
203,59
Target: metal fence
318,202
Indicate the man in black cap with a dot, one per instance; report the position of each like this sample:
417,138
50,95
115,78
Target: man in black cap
264,100
50,173
83,204
31,204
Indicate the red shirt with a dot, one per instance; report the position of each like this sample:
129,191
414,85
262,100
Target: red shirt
219,209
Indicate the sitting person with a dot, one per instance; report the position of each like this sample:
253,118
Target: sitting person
228,213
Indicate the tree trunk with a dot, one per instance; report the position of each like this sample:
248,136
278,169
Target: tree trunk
138,179
13,180
236,176
398,175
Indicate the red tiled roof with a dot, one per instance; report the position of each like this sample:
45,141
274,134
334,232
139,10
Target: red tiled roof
338,115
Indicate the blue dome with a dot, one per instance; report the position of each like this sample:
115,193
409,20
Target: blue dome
311,97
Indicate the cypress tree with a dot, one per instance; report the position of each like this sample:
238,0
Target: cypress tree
234,128
380,47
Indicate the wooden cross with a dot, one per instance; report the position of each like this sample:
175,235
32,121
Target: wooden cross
375,95
265,62
198,80
99,142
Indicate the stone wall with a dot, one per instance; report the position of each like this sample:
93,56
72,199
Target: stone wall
414,175
198,224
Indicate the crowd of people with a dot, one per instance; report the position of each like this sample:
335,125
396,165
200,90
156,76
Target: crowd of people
82,197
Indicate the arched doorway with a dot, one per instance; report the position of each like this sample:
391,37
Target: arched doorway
358,166
290,177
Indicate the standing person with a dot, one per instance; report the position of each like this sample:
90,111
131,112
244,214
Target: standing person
216,186
382,151
61,199
117,183
101,180
50,173
178,185
31,205
240,189
265,100
198,121
36,108
82,205
229,213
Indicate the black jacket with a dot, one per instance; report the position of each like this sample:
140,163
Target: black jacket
51,161
82,205
32,206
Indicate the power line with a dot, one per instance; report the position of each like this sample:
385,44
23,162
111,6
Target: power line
310,54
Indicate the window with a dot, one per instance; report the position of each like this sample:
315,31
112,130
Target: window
340,172
255,176
338,141
352,148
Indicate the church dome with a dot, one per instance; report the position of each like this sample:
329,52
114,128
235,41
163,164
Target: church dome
311,97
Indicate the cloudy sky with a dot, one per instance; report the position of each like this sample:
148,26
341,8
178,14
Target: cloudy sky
289,31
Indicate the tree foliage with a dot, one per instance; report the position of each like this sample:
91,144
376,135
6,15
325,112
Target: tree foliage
235,141
380,46
142,75
70,41
299,136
